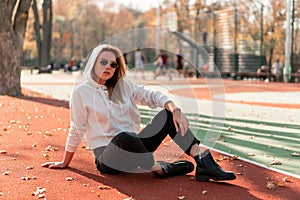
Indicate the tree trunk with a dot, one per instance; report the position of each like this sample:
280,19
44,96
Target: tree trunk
43,43
37,26
47,32
12,32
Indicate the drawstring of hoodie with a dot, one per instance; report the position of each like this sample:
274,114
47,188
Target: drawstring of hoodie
104,95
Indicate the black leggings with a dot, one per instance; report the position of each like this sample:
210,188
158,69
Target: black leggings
127,151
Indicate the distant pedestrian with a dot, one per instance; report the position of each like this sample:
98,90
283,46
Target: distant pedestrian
71,63
179,64
204,37
277,70
139,63
262,73
163,65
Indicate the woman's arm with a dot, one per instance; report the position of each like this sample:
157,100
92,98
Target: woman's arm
62,164
77,129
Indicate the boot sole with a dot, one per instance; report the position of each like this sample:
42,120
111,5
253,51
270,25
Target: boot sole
203,178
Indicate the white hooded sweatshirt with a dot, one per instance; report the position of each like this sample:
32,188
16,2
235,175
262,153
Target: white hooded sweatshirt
96,119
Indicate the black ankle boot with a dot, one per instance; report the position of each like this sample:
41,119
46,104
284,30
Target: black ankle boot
175,169
207,169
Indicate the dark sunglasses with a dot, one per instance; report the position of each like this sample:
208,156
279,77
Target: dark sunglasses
104,62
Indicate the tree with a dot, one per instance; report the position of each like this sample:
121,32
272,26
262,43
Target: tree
13,19
273,25
43,40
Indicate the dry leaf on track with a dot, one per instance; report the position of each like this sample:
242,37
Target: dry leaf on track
271,185
5,173
104,187
69,179
29,167
275,162
295,154
3,152
287,180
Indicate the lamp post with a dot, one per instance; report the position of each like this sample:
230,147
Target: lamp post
261,34
293,36
235,54
287,43
157,27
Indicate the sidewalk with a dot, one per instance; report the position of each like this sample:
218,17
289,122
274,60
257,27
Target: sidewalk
235,102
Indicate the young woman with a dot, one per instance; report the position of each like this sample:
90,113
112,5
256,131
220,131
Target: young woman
104,113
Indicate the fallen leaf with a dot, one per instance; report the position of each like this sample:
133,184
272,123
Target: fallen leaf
104,187
25,178
234,157
69,179
3,152
38,192
128,198
29,167
47,133
275,162
40,196
287,180
280,184
295,154
5,173
46,156
271,185
50,148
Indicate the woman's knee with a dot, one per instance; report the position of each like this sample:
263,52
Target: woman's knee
124,137
130,142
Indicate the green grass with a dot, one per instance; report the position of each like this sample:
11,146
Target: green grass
268,141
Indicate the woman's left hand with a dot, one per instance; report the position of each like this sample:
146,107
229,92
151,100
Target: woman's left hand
180,121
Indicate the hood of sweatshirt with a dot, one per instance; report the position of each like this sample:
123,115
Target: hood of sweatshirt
87,73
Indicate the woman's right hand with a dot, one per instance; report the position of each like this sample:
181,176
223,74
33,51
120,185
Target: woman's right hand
55,165
62,164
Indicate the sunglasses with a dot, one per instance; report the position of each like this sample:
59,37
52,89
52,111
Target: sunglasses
104,62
